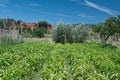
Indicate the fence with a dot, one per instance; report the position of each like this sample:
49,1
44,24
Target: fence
13,34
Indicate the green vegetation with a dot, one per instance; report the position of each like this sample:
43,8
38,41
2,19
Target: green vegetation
51,61
25,29
71,60
69,33
111,27
43,24
40,32
7,23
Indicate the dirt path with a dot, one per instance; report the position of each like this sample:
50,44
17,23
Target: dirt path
37,39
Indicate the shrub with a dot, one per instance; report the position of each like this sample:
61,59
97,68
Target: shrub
69,33
59,34
107,45
39,32
81,33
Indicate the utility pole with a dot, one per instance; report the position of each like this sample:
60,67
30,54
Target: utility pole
60,21
3,23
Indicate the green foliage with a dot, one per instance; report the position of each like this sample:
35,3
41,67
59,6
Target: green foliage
118,24
70,33
7,23
42,24
109,28
110,23
27,29
39,32
59,34
50,61
107,45
80,33
1,23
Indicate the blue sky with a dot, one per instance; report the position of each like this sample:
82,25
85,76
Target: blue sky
69,11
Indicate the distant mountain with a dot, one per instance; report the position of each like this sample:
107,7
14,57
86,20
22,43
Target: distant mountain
83,24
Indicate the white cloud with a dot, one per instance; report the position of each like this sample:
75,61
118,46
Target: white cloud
78,1
65,15
85,16
101,8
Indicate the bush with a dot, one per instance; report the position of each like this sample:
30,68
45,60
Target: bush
107,45
81,33
69,33
39,32
59,34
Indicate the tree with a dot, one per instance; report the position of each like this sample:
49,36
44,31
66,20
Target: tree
107,29
70,33
1,23
10,22
118,24
43,24
39,32
7,23
59,34
20,26
111,23
19,21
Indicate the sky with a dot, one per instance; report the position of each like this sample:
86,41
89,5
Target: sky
54,11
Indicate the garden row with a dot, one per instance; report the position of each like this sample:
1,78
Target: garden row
50,61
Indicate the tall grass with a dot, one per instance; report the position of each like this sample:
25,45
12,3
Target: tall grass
9,41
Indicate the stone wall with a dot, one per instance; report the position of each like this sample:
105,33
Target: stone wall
13,34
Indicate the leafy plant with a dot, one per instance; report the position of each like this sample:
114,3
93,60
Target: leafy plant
39,32
59,34
50,61
108,45
70,33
